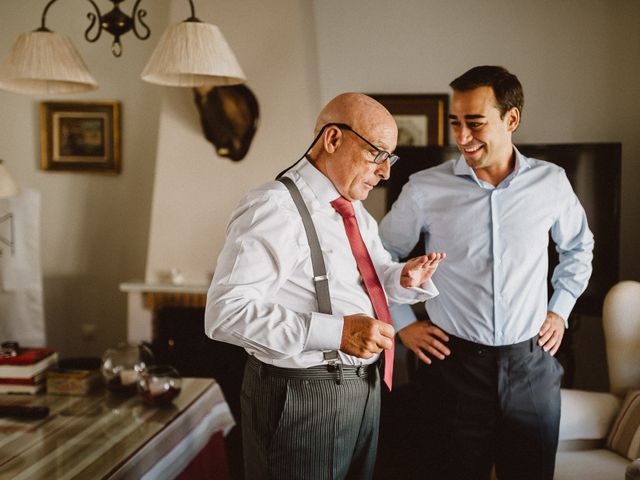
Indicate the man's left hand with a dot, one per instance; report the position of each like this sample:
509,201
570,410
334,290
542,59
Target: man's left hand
551,333
419,269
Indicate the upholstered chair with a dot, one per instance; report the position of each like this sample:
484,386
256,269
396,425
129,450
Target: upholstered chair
600,432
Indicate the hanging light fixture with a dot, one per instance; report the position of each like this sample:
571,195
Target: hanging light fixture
191,53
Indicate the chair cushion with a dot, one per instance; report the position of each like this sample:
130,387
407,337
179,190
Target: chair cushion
590,464
624,437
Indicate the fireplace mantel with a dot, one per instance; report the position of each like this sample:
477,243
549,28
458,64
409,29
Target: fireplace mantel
145,299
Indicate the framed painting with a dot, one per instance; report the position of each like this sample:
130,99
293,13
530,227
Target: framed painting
421,118
80,136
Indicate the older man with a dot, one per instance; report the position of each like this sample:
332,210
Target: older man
310,395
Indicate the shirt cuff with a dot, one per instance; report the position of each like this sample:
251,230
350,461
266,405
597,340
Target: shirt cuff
325,332
411,295
562,303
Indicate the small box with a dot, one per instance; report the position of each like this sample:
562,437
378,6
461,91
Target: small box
74,376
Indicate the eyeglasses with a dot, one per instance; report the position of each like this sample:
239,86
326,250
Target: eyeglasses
381,155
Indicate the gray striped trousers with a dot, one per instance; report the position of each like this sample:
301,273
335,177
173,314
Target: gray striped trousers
308,428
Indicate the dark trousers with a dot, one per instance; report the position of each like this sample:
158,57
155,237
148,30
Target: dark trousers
309,427
501,405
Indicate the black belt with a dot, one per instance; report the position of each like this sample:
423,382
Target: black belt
336,371
469,347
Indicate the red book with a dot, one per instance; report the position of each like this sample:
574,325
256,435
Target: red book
36,379
28,363
27,356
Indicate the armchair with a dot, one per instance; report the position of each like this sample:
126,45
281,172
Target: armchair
600,432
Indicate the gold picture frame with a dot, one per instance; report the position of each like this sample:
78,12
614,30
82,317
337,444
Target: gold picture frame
421,118
80,136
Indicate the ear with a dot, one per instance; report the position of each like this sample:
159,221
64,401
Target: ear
331,139
513,119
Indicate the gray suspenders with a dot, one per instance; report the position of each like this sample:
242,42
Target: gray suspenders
320,278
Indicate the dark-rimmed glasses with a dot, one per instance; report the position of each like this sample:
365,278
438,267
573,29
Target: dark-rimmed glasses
381,155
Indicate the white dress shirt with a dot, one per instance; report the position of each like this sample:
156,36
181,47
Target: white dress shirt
262,295
493,282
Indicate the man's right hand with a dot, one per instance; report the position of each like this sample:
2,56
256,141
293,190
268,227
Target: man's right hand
363,336
421,337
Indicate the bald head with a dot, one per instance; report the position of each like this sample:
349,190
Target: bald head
355,109
362,113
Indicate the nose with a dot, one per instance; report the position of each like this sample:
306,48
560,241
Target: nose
383,170
462,134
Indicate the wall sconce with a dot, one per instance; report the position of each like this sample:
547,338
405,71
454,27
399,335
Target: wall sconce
190,54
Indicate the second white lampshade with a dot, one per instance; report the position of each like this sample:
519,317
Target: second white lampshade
193,54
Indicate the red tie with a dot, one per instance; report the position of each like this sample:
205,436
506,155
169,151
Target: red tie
368,274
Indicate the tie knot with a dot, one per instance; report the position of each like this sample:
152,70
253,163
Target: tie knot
343,206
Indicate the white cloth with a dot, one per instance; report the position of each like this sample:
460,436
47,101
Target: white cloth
21,304
262,295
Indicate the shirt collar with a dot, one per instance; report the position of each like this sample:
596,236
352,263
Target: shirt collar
522,163
317,181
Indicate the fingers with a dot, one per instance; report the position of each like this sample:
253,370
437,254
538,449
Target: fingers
433,330
430,259
422,357
437,349
419,269
551,333
363,336
551,341
422,339
387,330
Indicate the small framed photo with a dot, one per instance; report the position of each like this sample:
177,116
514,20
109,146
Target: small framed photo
421,118
80,136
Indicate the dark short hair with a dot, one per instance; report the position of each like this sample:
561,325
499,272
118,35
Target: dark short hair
506,86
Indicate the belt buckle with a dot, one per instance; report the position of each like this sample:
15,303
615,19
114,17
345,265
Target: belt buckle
360,371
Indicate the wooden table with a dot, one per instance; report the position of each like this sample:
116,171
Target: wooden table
103,436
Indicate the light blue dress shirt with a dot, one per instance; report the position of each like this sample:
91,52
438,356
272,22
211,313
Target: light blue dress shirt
493,283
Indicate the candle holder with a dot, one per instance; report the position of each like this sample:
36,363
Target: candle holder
122,365
159,385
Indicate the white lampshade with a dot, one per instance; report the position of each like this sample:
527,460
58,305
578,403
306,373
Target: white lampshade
8,187
45,62
193,54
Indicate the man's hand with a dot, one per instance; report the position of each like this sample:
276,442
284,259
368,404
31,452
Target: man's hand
419,269
423,336
363,336
551,333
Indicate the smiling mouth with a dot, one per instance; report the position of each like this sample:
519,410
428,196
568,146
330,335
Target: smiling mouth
471,150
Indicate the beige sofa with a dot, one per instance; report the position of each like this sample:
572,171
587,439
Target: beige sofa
600,432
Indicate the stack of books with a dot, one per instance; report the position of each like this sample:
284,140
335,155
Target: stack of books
25,373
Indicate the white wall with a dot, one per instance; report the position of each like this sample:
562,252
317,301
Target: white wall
195,190
579,63
94,227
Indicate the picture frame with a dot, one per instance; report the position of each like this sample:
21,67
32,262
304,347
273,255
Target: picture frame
80,136
421,118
